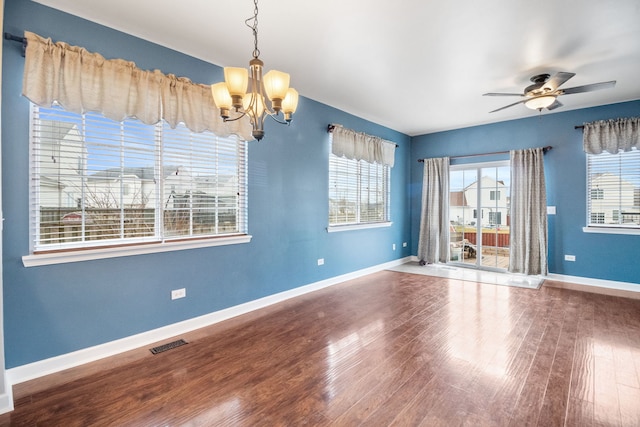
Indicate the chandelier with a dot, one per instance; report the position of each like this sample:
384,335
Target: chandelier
232,94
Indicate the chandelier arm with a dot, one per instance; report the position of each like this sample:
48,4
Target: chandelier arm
274,117
244,113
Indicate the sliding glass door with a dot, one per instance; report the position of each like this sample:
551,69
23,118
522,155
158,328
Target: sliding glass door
479,215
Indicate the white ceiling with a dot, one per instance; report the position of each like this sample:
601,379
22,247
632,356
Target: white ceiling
416,66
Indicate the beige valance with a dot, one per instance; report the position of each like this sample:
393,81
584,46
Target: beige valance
360,146
611,136
82,81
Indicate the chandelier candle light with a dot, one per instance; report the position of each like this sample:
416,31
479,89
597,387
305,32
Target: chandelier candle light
232,93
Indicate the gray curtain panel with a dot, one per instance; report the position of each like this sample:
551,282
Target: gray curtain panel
528,240
433,243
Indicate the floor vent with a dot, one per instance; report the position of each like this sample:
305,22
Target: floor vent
167,346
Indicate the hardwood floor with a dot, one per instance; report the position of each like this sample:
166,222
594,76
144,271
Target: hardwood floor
388,349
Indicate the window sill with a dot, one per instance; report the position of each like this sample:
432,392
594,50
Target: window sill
61,257
611,230
337,228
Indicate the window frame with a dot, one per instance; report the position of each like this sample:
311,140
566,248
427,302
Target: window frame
593,217
359,223
159,242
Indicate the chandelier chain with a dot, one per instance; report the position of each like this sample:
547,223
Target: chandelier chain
254,28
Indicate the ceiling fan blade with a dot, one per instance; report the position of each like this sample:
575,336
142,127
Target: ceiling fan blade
501,94
510,105
555,105
558,79
589,88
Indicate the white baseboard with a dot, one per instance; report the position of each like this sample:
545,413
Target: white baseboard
44,367
6,403
595,284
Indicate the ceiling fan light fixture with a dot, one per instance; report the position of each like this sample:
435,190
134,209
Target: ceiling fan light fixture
540,102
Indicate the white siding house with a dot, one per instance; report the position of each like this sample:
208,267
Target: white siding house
495,210
613,200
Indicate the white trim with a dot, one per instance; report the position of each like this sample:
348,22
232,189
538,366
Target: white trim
6,399
34,260
6,391
480,164
598,283
38,369
612,230
337,228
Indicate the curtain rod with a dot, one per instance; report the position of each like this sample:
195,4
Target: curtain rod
544,150
23,40
331,127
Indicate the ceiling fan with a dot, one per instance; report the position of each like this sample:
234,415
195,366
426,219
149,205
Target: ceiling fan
544,91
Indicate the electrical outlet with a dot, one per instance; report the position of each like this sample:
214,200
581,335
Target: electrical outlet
393,246
569,257
404,244
178,293
320,261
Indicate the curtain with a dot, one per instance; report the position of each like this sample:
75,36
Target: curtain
360,146
82,81
611,136
433,241
528,239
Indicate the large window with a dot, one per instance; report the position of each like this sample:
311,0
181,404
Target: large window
358,192
96,182
614,189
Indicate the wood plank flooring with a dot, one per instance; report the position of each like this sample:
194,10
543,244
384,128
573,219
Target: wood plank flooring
388,349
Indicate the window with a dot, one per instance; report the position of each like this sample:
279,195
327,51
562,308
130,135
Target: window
358,192
97,182
494,195
495,218
597,217
597,194
614,189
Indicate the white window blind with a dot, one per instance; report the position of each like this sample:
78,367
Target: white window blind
613,198
96,182
358,192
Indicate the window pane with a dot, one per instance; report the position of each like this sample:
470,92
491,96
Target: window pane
118,179
358,192
614,189
343,190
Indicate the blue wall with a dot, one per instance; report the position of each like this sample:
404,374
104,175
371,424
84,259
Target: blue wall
598,256
57,309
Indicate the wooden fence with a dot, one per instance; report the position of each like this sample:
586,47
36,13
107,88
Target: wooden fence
497,238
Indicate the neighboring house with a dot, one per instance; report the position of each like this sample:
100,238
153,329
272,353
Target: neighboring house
463,205
63,183
60,163
613,200
459,210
